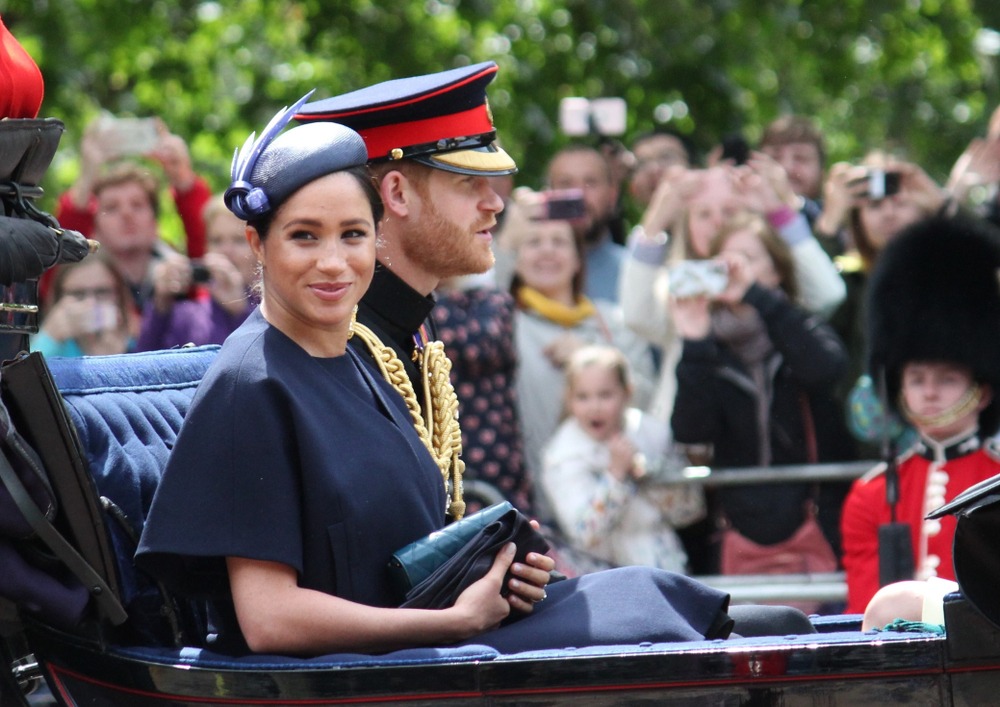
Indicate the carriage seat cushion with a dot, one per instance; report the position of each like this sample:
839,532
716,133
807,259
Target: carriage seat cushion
127,411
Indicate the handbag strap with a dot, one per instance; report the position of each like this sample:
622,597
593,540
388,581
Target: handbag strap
106,600
809,428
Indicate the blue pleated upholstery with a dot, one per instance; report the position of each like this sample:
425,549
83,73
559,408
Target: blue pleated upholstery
127,411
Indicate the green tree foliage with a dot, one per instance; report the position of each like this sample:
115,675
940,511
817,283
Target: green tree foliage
900,73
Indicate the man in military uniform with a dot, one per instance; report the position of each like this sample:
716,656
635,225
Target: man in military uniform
934,324
431,147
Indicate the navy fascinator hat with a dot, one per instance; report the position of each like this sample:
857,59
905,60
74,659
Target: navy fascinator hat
268,170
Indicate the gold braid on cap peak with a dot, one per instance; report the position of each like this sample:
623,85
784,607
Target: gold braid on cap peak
443,437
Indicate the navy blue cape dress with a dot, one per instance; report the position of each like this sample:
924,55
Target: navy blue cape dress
314,463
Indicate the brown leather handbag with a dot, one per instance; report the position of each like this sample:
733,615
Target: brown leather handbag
807,551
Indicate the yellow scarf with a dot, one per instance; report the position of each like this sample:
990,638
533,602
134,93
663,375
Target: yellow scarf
530,298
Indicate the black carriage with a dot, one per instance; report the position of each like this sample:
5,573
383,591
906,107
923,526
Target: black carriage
103,428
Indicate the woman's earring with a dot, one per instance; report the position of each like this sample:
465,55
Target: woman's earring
354,319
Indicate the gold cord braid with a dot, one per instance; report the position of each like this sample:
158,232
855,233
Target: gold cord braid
443,437
446,433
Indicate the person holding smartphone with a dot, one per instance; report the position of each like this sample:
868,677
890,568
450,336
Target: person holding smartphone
553,318
116,198
582,167
88,311
873,219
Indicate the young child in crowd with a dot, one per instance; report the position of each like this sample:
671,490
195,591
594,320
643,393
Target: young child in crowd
600,468
934,325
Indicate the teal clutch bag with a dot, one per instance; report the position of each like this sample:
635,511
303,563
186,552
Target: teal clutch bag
411,565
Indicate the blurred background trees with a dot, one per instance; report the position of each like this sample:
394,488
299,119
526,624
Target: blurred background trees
917,75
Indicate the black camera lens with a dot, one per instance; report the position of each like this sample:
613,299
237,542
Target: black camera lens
199,273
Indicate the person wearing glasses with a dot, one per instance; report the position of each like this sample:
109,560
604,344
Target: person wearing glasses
88,311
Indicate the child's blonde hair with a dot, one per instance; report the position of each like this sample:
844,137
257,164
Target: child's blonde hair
610,358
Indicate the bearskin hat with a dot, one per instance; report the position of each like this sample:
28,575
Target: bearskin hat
934,295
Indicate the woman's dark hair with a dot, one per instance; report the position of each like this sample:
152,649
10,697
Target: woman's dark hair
363,176
867,249
862,241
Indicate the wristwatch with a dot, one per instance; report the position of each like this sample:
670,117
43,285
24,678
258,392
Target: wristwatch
638,233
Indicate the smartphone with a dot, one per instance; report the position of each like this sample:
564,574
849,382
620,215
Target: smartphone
103,316
579,117
128,136
609,115
560,205
691,278
882,184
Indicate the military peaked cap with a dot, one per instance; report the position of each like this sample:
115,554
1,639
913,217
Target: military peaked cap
442,120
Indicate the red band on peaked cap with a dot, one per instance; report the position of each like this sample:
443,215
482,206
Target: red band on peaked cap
21,84
381,141
404,113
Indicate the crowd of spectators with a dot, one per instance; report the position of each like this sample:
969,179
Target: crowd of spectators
143,293
727,330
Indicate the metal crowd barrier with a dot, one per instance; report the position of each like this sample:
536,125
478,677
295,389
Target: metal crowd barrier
830,587
751,589
736,476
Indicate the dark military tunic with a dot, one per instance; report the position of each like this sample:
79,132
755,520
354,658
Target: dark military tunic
394,312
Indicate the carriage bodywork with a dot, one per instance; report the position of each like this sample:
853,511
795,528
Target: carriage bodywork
122,415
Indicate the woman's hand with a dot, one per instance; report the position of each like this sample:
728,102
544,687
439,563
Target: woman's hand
919,188
766,183
226,283
559,350
666,206
171,279
843,190
978,166
622,463
691,317
481,607
527,586
93,157
172,153
68,318
739,277
95,325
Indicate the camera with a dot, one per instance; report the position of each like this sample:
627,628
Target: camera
559,205
200,274
882,184
579,117
691,278
735,148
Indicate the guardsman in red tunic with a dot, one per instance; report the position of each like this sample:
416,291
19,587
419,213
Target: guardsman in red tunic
930,474
934,330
